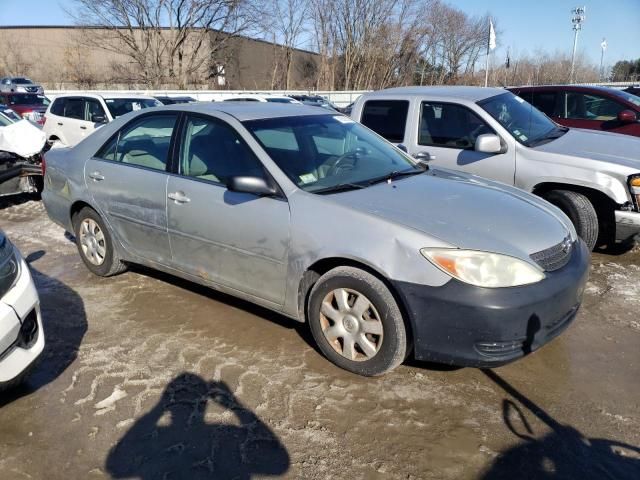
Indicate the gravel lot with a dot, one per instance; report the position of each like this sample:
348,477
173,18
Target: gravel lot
148,376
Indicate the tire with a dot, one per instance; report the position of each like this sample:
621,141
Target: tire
108,262
369,344
580,211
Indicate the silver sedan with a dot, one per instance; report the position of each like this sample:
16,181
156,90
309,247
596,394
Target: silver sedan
313,215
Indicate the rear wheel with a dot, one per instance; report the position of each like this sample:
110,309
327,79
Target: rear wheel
95,244
356,322
580,211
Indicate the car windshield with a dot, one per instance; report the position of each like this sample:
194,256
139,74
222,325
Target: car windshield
121,106
629,97
9,114
27,99
328,153
21,81
525,123
4,120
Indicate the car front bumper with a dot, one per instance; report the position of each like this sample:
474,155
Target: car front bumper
464,325
21,334
627,225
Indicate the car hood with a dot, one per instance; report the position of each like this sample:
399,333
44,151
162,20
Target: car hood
594,145
465,211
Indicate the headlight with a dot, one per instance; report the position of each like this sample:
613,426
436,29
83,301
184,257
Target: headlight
9,266
483,269
634,187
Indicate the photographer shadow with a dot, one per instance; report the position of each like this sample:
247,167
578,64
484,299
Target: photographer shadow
561,453
173,440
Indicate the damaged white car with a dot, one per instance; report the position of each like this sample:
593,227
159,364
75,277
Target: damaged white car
21,148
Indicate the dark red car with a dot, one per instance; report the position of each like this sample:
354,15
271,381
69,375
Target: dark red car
595,108
31,106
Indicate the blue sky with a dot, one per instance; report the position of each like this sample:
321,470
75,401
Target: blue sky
525,26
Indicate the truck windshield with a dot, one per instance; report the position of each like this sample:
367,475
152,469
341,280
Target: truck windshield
525,123
330,153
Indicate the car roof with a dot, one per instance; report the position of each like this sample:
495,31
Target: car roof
106,95
454,91
249,110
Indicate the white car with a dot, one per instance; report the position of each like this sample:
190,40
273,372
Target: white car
21,333
72,117
262,98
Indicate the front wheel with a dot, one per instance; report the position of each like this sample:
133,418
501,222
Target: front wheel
356,322
95,244
580,211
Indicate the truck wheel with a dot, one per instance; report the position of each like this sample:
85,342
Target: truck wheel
580,211
95,244
356,322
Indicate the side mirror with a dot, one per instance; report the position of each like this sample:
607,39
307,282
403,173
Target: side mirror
488,143
255,185
403,147
627,116
98,118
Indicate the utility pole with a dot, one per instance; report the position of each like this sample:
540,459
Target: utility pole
577,18
603,47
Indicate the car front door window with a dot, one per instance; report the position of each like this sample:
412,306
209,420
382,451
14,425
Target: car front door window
583,106
213,151
449,125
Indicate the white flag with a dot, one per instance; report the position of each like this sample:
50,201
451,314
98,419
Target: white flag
604,44
492,36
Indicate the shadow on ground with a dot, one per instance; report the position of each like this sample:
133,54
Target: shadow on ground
173,440
64,328
562,453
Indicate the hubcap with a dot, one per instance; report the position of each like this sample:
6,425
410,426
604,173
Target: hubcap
351,324
92,241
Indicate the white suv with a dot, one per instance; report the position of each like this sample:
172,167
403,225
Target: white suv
72,117
21,334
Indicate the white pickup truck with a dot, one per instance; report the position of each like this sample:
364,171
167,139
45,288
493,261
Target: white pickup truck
594,177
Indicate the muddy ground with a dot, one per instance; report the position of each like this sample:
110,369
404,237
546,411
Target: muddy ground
147,376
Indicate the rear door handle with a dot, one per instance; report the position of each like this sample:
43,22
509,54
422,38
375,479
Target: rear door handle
96,176
60,123
179,197
83,127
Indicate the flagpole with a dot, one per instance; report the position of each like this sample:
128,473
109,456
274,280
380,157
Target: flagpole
486,68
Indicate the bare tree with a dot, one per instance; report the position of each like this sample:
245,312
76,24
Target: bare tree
166,41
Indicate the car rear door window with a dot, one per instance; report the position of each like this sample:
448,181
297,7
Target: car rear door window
545,102
388,118
94,109
74,108
212,150
587,106
144,143
450,125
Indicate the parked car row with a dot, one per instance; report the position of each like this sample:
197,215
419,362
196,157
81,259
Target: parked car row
453,223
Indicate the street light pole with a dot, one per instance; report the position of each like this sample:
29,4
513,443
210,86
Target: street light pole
577,19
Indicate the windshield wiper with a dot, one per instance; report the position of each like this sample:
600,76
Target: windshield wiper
341,187
395,174
555,132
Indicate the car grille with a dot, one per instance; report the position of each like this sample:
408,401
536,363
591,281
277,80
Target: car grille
554,258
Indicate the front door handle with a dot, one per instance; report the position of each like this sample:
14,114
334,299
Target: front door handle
96,176
83,127
424,156
60,123
179,197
